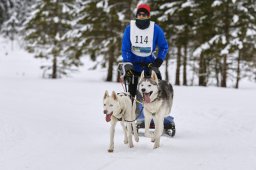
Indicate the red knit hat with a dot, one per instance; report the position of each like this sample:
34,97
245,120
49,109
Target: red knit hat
143,6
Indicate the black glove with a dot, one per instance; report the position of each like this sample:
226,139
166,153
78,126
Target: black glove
128,70
158,62
152,67
129,73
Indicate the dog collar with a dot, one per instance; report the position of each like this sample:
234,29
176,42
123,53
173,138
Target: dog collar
119,119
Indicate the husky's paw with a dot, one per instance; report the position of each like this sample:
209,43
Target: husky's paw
156,146
125,141
152,139
157,143
137,138
110,150
131,145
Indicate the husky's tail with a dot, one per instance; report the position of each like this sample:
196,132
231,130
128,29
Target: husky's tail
171,97
171,89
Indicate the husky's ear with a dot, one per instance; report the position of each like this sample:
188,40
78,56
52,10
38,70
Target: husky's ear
154,76
141,76
106,94
114,96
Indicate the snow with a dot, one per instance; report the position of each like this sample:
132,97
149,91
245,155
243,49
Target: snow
163,18
171,6
216,3
56,19
120,16
235,18
65,9
223,40
225,51
170,11
242,8
237,42
188,4
200,49
207,45
250,32
59,124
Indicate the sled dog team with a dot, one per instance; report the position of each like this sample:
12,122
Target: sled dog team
157,98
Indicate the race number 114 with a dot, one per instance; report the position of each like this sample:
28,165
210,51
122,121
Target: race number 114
141,39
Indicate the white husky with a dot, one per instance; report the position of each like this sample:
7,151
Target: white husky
118,107
157,99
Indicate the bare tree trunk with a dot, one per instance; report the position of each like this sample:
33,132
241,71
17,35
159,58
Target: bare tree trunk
54,67
224,72
202,71
226,29
177,79
217,71
110,64
166,68
116,53
56,46
167,62
185,66
238,70
193,72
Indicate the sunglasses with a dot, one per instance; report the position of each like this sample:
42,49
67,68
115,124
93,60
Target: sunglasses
142,14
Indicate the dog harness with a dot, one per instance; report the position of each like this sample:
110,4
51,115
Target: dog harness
120,119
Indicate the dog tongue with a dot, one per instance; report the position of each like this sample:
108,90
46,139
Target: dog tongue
108,117
146,97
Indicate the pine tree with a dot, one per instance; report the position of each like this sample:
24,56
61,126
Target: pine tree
5,8
46,36
203,33
18,14
10,28
177,21
230,20
99,30
209,29
158,15
245,35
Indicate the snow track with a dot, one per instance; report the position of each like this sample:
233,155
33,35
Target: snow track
59,125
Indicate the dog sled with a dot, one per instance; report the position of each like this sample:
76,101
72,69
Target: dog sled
169,124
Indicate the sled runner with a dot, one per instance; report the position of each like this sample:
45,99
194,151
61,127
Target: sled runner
169,125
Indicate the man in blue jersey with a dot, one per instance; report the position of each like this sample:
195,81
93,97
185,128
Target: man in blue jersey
139,43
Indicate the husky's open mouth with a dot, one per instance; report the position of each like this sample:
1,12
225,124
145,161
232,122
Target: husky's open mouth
146,97
108,117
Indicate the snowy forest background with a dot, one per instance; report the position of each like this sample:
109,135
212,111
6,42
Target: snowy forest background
211,42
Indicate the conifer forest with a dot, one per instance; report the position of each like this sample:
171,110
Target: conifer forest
211,42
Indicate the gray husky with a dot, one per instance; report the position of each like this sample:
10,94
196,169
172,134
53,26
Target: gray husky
157,99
